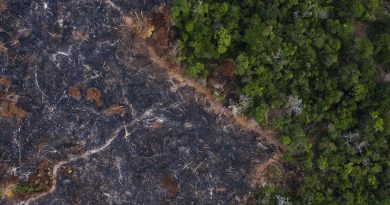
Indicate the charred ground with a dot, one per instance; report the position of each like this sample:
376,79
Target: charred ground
86,118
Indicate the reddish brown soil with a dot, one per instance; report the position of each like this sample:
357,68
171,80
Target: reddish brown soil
170,185
3,49
94,95
4,83
79,35
261,170
160,37
11,110
8,102
360,29
3,7
115,110
157,125
74,92
225,68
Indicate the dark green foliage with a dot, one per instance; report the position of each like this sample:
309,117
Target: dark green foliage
309,59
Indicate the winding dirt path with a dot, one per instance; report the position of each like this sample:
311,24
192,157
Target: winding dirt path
87,154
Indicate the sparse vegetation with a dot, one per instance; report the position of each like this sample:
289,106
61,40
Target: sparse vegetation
317,62
25,189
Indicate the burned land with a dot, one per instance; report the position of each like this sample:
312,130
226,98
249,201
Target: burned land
88,117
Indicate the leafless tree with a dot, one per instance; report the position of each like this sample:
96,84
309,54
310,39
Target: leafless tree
294,105
348,138
354,140
282,200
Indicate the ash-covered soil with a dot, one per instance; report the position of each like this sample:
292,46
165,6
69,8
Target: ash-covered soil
84,119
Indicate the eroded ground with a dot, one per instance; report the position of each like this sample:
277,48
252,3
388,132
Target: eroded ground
87,117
